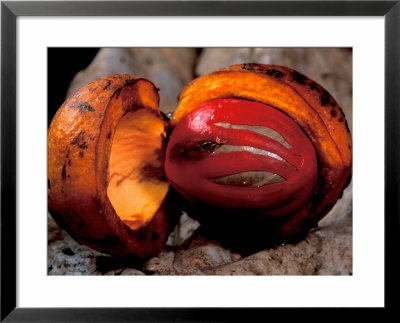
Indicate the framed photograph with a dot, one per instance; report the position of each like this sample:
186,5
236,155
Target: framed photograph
325,53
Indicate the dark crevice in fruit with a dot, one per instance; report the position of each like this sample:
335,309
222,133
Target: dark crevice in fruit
194,150
262,130
131,223
208,146
253,150
198,149
249,179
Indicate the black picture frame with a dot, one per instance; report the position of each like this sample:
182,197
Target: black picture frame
10,10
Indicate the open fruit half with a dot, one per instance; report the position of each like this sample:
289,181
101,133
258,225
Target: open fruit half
106,182
241,155
231,128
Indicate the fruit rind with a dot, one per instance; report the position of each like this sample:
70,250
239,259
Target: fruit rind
79,144
306,102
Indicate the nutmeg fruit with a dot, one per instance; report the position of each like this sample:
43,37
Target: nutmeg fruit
106,182
266,121
256,152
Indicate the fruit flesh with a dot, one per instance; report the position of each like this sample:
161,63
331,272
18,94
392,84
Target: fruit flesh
79,146
136,189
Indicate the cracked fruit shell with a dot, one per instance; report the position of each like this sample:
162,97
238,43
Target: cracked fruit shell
265,143
106,182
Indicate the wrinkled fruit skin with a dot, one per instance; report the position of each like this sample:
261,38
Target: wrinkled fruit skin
237,95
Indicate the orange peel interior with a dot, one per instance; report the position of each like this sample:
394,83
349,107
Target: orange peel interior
106,183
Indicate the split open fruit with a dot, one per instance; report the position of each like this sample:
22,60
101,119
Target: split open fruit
241,155
249,146
106,183
257,110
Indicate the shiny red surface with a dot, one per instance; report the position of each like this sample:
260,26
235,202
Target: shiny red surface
191,161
